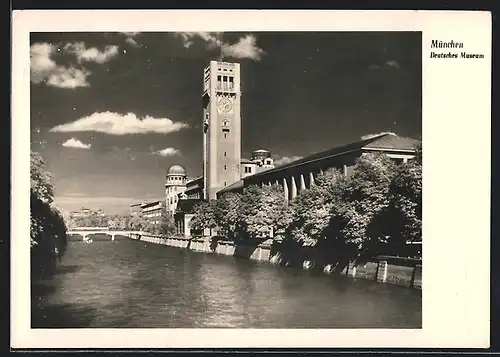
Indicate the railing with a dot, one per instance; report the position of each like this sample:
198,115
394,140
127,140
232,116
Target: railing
89,229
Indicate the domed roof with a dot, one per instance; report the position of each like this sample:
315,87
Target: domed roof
176,170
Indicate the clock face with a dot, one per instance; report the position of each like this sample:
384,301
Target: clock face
225,105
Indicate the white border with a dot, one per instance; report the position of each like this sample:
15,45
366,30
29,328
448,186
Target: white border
456,135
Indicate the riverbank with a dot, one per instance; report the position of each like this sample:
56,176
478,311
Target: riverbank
385,269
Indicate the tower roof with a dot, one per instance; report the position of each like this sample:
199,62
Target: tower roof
176,170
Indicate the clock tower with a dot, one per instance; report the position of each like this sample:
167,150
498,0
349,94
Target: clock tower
221,127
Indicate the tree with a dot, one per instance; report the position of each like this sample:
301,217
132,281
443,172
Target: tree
41,186
166,227
226,214
365,194
312,209
204,216
401,219
48,238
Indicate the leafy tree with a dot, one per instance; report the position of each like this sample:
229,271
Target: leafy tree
401,220
48,238
138,223
166,226
313,207
364,196
41,185
226,214
252,222
204,216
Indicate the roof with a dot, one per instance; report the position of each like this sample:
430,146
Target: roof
176,170
235,186
246,161
151,203
392,142
195,179
381,142
188,205
261,150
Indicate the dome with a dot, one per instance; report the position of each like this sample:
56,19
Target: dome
176,170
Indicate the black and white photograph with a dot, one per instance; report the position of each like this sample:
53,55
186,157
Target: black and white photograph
227,179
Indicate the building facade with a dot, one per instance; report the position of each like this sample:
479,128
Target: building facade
300,175
87,212
221,100
153,211
175,185
135,209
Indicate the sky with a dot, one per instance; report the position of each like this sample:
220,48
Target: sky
110,112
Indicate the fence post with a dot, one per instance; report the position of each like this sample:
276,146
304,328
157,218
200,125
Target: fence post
351,270
381,271
416,275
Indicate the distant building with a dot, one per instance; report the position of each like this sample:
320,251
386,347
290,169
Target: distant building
135,209
153,211
175,185
100,213
83,212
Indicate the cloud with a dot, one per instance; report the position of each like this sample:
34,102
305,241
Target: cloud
168,152
121,124
44,69
393,63
132,42
129,38
369,136
285,160
91,54
210,39
245,47
75,143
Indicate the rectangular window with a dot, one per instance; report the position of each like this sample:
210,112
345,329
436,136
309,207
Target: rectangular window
225,154
231,83
225,167
225,135
219,82
225,183
224,82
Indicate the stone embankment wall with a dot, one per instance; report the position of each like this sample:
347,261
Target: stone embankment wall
385,269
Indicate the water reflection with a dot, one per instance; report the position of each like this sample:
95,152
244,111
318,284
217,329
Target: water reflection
133,284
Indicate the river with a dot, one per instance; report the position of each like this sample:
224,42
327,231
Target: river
132,284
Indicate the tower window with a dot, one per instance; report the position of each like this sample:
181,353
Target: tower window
225,135
224,83
225,167
225,154
225,183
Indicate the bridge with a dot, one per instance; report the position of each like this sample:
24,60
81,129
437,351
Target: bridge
86,231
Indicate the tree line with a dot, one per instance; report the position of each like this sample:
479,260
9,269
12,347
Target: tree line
166,225
374,210
48,240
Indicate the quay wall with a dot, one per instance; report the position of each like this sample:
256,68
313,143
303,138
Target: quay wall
392,270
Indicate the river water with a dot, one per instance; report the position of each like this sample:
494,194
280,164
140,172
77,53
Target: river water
133,284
